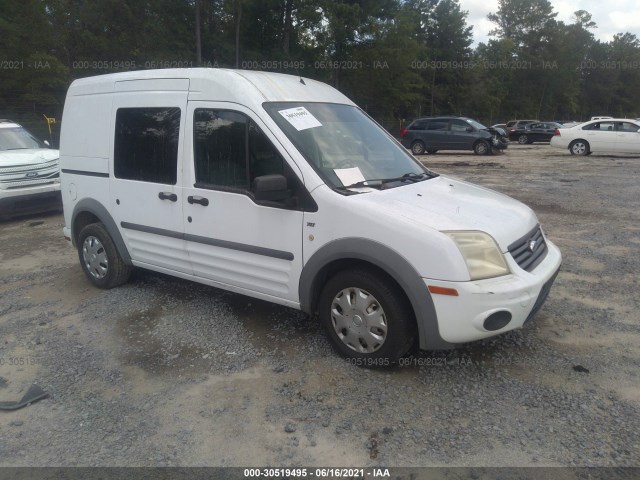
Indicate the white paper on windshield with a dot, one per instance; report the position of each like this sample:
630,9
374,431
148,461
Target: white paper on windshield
300,118
349,176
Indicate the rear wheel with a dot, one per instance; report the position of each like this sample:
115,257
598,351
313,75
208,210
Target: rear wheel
99,257
523,139
367,317
579,147
482,148
417,147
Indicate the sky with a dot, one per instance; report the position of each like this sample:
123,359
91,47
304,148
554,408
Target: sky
611,16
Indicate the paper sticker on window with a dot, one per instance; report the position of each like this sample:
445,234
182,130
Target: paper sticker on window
300,118
349,176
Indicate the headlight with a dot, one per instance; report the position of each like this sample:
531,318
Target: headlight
481,254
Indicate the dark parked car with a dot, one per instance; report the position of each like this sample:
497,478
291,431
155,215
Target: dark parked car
451,133
534,132
516,124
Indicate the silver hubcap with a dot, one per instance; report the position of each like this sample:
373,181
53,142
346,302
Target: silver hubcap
418,148
481,148
522,139
579,148
95,257
359,320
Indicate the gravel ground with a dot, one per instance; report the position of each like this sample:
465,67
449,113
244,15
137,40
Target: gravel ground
165,372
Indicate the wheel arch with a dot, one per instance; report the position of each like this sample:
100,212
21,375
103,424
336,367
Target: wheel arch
582,140
89,210
482,140
350,252
575,140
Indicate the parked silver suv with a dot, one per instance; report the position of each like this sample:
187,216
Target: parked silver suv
29,172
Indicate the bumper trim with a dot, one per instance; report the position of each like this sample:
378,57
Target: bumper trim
542,296
31,203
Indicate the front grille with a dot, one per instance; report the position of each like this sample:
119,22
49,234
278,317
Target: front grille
529,250
29,175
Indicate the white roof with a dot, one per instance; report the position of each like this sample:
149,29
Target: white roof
247,87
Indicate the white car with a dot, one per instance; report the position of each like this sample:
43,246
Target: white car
281,188
29,172
618,135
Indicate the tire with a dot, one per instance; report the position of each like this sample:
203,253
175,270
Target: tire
417,147
523,139
100,259
482,148
367,317
432,151
579,147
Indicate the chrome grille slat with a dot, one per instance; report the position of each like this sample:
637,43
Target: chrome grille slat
12,170
524,256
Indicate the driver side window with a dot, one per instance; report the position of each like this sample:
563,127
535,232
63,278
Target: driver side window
230,150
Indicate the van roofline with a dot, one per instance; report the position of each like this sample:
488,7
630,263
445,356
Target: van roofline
271,86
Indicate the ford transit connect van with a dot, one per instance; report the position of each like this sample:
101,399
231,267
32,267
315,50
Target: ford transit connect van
281,188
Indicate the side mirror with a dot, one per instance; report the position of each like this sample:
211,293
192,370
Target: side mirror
469,129
271,188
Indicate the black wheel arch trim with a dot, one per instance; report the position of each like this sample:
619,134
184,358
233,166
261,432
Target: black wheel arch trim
94,207
388,260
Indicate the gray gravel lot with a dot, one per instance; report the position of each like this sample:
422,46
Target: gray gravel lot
165,372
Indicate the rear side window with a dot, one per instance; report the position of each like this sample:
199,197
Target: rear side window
601,126
419,125
438,125
146,144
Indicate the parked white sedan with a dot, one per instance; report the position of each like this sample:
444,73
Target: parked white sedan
605,135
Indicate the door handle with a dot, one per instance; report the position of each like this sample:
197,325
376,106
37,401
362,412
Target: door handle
168,196
199,200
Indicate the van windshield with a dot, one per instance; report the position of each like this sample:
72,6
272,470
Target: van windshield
345,147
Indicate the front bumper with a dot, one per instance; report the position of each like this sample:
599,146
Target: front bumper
463,318
23,201
500,143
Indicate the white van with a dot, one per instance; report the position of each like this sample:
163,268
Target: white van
281,188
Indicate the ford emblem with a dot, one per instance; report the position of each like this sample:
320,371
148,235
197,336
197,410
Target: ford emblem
31,174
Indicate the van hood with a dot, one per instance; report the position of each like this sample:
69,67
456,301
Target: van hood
31,156
443,203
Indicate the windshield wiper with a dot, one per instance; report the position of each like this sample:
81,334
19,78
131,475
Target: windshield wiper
412,177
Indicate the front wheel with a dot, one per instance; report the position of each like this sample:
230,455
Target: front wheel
367,317
99,257
579,147
482,148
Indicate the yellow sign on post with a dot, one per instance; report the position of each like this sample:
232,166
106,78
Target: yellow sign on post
50,121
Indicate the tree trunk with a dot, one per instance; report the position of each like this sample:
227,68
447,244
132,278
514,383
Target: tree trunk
238,20
198,40
286,30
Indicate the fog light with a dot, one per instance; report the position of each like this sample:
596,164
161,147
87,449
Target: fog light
497,320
